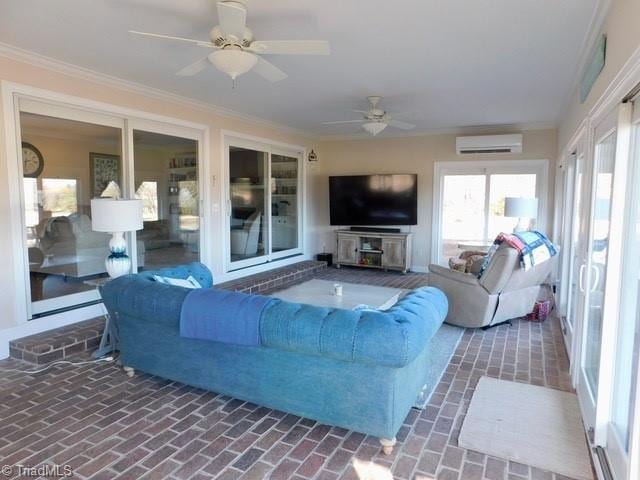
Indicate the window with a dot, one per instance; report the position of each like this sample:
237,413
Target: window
32,214
148,193
470,199
59,196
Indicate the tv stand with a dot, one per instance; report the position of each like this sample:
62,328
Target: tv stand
374,229
386,250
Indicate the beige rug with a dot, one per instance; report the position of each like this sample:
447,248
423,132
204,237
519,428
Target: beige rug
537,426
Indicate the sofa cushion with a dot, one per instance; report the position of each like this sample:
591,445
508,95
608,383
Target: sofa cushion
391,338
196,270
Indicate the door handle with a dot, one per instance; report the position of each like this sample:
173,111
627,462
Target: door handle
581,278
596,278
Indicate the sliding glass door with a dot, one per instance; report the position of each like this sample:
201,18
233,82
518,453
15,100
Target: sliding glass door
166,179
627,338
574,246
68,157
263,207
284,204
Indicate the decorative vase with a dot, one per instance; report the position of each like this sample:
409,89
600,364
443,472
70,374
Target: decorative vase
118,262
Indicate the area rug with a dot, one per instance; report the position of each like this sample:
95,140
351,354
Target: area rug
528,424
442,347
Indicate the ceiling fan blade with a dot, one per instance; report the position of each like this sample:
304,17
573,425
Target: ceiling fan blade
291,47
343,121
195,67
201,43
360,111
233,18
268,70
401,125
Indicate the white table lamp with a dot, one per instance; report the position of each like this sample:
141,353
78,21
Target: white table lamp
521,208
116,217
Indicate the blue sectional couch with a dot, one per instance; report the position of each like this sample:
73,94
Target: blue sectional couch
357,369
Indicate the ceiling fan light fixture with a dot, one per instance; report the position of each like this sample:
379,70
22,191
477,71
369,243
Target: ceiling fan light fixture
233,62
374,127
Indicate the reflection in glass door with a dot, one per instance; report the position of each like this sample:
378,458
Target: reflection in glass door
65,164
248,205
166,180
601,218
575,244
284,203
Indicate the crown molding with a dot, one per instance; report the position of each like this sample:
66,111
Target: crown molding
468,130
588,43
32,58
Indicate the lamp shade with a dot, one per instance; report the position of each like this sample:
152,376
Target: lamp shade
110,215
520,207
233,62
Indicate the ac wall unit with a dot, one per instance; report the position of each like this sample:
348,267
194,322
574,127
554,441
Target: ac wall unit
511,143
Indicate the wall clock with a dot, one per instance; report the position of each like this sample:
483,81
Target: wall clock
32,160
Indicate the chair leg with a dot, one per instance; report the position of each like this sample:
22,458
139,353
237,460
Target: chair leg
487,327
387,445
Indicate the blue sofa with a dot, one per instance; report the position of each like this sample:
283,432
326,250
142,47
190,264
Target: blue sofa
358,369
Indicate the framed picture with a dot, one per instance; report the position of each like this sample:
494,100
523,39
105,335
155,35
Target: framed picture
104,169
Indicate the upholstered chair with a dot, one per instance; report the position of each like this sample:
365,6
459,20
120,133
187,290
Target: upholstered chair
503,292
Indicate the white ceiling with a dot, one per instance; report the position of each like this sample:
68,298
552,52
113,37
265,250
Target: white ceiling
438,63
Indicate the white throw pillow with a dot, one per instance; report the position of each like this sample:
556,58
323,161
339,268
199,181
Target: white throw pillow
188,282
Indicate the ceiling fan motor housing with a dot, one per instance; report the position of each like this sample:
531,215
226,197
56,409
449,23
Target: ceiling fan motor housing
219,40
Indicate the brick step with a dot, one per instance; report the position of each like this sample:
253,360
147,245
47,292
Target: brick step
62,342
267,282
59,343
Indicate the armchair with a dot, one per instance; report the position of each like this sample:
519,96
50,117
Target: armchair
503,291
245,241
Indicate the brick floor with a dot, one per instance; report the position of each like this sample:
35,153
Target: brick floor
106,425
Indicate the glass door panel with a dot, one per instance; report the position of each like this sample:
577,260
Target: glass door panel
65,164
577,242
624,404
463,213
604,164
248,198
284,203
166,180
500,187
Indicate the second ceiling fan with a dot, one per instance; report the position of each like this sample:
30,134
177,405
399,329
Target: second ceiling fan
236,51
375,120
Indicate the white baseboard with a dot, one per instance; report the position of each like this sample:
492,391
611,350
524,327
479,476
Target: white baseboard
419,269
44,324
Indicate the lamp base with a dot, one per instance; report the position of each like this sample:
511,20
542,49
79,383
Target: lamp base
118,263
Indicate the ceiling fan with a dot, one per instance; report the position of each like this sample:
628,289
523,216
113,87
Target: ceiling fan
375,119
236,51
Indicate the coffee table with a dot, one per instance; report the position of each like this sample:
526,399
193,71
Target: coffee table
321,293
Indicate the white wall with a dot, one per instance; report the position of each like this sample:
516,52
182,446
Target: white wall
411,154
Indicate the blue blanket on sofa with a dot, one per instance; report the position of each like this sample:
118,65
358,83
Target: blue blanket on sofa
223,316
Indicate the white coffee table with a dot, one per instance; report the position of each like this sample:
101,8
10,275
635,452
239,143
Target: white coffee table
321,293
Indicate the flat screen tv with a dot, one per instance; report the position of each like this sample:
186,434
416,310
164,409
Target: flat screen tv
373,200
